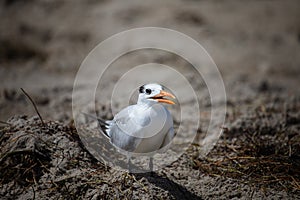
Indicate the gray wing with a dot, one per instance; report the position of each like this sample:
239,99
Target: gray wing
119,128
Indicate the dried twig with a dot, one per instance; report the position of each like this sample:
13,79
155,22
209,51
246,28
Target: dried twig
3,122
35,108
23,151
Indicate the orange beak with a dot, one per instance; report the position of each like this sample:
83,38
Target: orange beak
160,97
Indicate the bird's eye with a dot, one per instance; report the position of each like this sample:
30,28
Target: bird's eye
148,91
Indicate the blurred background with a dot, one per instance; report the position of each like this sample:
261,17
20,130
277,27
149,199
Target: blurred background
255,44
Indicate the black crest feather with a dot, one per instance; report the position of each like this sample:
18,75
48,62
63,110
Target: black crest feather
141,90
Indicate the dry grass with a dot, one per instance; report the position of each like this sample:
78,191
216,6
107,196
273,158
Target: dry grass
262,150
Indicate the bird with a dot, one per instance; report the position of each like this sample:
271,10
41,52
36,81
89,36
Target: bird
143,128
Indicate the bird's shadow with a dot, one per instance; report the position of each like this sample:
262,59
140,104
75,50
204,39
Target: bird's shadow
176,190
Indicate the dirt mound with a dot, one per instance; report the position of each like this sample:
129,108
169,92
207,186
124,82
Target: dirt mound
37,160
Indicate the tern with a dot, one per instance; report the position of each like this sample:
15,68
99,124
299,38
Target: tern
143,128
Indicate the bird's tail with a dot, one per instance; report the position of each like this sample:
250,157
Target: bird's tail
102,124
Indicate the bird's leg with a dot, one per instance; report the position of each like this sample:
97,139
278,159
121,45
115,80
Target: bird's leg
129,164
151,164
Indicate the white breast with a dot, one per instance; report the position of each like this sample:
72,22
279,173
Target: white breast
141,129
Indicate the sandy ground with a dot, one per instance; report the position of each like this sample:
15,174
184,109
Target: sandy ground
255,44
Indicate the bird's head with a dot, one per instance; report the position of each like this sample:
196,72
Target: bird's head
154,93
